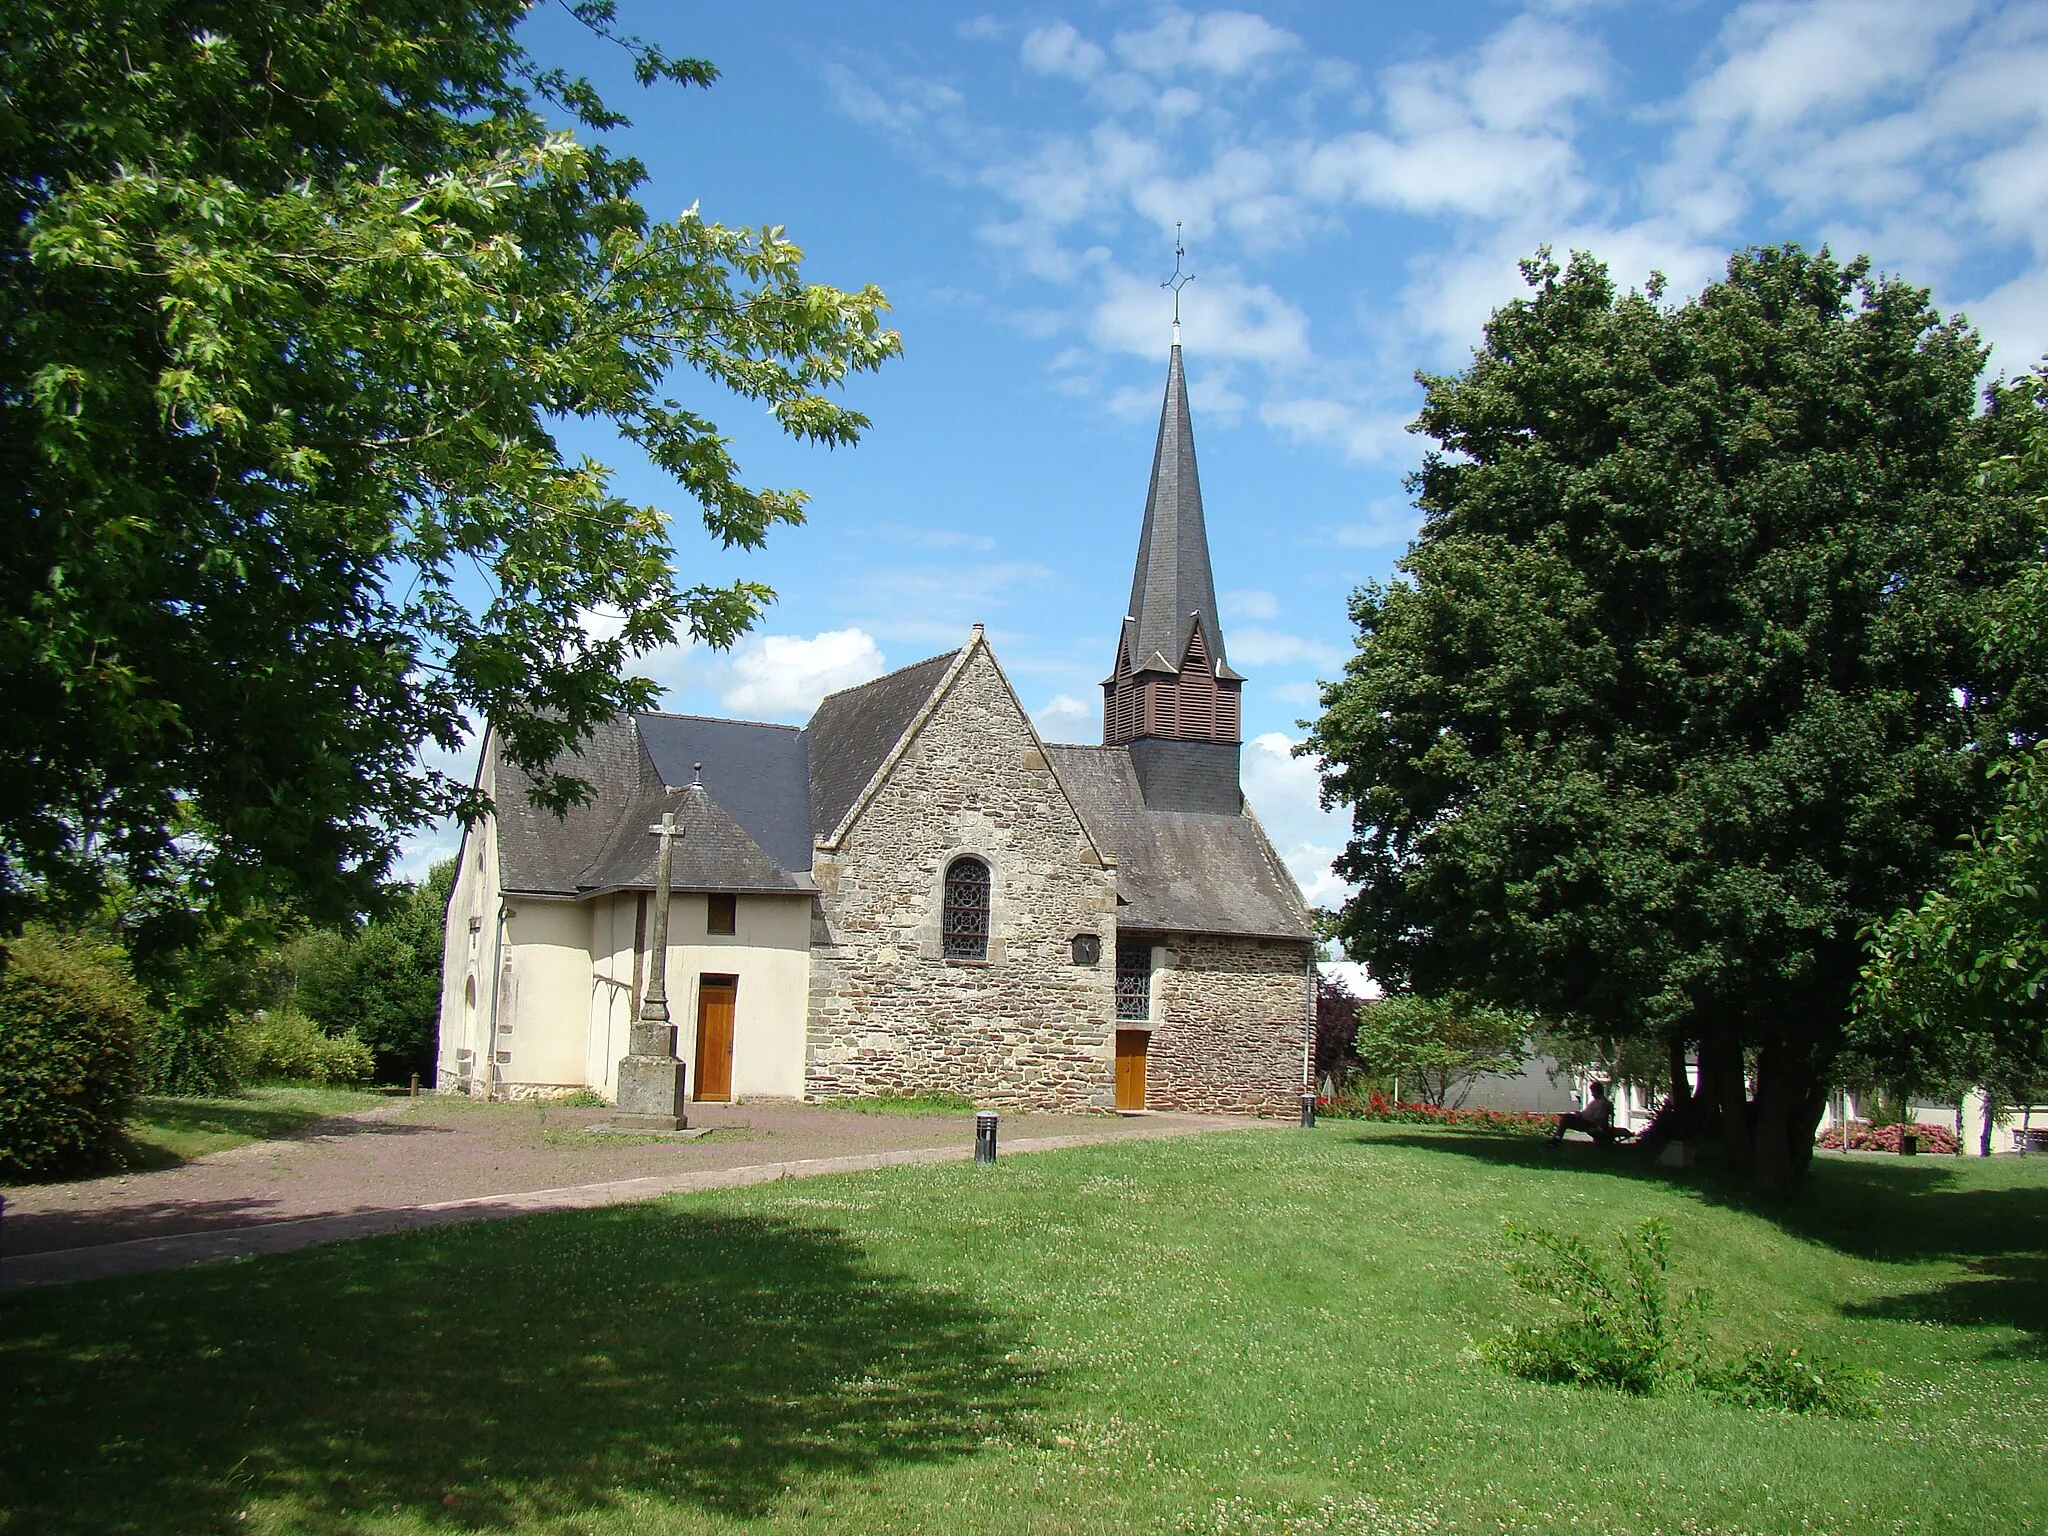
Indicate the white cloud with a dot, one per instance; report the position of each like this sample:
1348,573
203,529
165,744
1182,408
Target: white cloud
908,106
1254,646
1787,61
785,675
1367,436
1914,129
1251,603
1388,521
2016,314
1227,319
1485,136
1283,790
1221,42
935,604
933,538
1060,50
1354,977
1066,718
1302,694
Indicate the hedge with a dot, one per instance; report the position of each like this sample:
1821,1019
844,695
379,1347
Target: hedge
69,1018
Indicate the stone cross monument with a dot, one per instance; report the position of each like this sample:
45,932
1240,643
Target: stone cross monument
650,1077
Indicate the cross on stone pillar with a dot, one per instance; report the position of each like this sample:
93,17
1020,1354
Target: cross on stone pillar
651,1079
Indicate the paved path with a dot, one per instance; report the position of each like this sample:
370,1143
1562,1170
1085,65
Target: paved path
432,1161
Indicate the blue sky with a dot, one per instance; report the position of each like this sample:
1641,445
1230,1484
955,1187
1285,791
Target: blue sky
1356,184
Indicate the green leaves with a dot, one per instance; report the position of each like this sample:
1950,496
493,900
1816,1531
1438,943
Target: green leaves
293,295
1681,685
1438,1045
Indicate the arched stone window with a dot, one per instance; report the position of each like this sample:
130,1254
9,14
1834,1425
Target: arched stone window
966,914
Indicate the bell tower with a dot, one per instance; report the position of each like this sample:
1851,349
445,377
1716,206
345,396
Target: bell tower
1172,697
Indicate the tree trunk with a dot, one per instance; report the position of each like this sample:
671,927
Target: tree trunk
1681,1083
1684,1115
1790,1098
1721,1076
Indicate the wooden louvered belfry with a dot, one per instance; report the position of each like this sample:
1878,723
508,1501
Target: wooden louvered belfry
1171,679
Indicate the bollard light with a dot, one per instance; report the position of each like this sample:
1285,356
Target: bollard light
1308,1111
985,1136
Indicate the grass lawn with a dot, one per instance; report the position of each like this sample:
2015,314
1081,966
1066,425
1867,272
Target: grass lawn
166,1131
910,1104
1262,1332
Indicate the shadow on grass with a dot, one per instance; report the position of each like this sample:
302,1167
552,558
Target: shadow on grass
2007,1293
1887,1210
483,1378
165,1132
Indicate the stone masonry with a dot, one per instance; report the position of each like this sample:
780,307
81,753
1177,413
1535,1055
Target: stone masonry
888,1013
1232,1019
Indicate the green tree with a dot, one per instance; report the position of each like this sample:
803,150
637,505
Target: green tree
1955,988
1439,1045
382,984
291,293
1673,699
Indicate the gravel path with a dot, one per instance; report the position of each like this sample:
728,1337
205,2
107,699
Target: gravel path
429,1161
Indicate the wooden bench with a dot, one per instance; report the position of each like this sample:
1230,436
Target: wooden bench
2031,1138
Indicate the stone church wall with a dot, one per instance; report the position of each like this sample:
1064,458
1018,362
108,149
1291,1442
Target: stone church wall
1232,1021
889,1014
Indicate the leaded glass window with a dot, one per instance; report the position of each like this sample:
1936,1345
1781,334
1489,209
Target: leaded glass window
966,916
1134,981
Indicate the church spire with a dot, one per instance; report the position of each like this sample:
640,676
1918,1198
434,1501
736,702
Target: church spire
1172,678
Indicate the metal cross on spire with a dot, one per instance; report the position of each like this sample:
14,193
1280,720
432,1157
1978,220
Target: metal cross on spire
1178,281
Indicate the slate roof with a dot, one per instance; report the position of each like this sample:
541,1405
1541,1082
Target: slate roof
1172,588
855,729
759,775
747,827
766,788
1179,871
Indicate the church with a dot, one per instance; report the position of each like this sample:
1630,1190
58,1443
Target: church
912,893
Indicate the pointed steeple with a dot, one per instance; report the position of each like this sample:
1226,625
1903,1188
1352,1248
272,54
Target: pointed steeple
1172,678
1172,589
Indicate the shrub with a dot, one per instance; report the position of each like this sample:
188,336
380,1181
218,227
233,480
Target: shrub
1780,1379
1858,1137
189,1052
284,1043
1619,1330
68,1017
384,983
1374,1105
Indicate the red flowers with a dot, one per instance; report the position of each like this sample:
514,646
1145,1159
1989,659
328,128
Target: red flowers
1376,1106
1858,1137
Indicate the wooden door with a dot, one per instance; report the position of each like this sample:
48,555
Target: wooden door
1130,1067
716,996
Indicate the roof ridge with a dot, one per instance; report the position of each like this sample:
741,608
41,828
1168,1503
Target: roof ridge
893,672
675,714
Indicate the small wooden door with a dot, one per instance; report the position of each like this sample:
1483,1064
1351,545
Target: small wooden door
1130,1067
716,996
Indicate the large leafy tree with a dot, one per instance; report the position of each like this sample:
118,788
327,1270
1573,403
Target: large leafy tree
1956,986
292,294
1673,699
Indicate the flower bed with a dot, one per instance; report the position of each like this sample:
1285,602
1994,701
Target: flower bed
1377,1106
1858,1137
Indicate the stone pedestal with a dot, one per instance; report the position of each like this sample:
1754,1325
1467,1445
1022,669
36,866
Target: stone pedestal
651,1082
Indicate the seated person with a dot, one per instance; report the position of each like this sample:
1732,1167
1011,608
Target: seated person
1595,1117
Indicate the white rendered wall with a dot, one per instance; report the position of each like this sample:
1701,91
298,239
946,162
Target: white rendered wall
543,1015
469,951
771,956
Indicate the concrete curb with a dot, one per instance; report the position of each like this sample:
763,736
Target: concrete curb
141,1255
